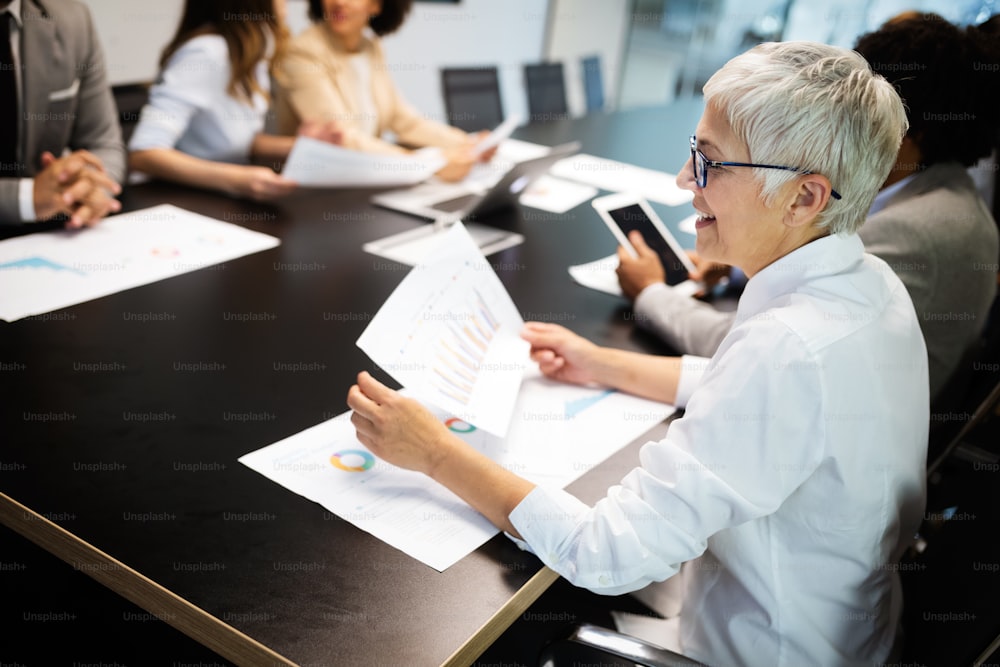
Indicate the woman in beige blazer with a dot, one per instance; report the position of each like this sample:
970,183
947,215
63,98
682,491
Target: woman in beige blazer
335,71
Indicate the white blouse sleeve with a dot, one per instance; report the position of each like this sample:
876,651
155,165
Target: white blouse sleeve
749,438
195,78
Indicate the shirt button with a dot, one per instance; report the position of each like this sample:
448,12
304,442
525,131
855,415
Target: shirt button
604,579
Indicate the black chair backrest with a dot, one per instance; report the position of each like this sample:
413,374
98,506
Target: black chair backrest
472,97
546,91
129,98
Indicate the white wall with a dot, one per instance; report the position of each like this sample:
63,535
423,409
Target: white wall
133,33
503,33
585,28
506,33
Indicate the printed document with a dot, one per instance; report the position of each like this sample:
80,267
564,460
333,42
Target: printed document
558,432
315,163
43,272
450,333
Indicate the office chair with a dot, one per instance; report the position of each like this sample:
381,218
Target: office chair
472,97
129,98
546,88
591,644
593,84
965,394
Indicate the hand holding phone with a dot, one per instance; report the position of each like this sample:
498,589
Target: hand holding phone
624,213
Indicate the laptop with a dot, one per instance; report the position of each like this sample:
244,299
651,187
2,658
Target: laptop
435,201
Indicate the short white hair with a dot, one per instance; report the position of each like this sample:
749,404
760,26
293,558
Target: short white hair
819,108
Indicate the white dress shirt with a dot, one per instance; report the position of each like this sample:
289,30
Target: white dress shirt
794,479
26,186
190,109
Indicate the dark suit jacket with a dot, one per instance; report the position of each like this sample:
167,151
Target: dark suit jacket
939,237
66,100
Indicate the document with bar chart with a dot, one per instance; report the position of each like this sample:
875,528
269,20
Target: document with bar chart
451,335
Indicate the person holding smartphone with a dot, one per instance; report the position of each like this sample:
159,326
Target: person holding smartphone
928,221
789,517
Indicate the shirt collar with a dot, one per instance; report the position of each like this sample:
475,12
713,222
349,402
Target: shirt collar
14,9
827,255
885,194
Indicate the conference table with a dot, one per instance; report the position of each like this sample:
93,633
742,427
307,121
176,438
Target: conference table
124,417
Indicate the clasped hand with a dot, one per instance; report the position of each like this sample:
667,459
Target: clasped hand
77,186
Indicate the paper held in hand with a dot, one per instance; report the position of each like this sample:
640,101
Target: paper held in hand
314,163
450,333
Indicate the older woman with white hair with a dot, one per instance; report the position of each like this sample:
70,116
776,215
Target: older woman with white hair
796,475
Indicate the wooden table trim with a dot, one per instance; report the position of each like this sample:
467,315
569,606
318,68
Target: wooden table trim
491,630
169,607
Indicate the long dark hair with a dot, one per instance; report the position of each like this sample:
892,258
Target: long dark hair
245,25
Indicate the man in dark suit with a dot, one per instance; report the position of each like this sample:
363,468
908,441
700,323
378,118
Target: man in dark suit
61,151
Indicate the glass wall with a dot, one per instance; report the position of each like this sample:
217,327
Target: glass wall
675,45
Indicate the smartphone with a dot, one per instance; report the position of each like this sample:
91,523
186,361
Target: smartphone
624,212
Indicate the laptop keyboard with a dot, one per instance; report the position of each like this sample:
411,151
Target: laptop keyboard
456,204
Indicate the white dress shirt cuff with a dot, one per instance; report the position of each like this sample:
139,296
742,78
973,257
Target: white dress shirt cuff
692,370
649,292
544,518
26,199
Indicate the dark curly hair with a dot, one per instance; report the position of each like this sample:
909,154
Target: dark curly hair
947,76
388,20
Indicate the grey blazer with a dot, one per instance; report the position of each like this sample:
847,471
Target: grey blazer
67,102
935,233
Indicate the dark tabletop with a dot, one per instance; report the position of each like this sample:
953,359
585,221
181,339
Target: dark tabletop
124,417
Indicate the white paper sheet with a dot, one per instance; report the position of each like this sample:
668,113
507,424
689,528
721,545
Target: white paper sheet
410,247
499,134
558,433
451,334
599,275
315,163
516,150
621,177
555,194
43,272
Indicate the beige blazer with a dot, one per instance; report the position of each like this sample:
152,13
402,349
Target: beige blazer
314,80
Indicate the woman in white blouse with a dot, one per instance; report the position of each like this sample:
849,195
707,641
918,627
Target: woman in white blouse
795,478
204,122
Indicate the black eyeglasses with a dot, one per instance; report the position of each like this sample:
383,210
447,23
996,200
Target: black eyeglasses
700,165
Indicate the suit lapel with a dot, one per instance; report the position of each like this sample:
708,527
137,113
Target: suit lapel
42,52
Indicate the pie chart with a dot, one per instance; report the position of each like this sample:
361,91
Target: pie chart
352,460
